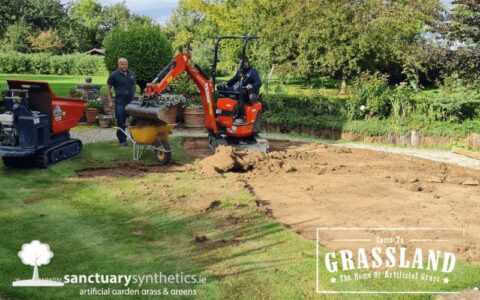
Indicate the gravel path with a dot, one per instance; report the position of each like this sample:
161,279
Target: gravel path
108,134
88,136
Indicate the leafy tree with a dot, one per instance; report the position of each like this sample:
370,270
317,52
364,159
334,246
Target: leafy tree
44,14
465,21
115,15
37,16
46,41
343,38
146,48
142,20
16,38
87,15
459,54
311,38
9,13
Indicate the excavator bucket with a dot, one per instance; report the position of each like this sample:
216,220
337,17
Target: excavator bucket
147,111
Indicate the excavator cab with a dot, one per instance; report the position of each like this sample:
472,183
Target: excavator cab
226,101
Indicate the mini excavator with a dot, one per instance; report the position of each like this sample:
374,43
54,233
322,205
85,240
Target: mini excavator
220,107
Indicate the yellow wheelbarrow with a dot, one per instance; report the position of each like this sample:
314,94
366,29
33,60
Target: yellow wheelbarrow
150,136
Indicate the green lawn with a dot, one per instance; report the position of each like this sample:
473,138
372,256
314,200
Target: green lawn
149,224
61,85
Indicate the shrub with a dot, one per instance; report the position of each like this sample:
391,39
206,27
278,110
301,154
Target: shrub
402,101
292,110
453,106
15,38
42,63
46,41
145,46
311,106
371,92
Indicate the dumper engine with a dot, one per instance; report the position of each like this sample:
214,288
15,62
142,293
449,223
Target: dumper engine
20,126
35,124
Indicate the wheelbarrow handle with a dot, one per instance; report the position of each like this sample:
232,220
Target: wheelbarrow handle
127,134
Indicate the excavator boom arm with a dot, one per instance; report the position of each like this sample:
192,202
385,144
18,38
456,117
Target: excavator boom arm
177,65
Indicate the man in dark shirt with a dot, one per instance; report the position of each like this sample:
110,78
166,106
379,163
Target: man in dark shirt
124,83
246,78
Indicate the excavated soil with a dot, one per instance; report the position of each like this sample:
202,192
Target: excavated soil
198,147
317,186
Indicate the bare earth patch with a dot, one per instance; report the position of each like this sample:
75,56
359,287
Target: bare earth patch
128,168
312,186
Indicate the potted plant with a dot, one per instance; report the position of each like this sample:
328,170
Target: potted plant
193,113
192,108
74,93
173,102
105,120
93,110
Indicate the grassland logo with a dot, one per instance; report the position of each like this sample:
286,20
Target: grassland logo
36,254
386,260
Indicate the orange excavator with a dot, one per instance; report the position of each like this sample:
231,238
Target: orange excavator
220,107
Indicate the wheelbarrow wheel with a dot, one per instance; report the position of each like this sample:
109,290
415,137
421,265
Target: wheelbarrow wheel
164,157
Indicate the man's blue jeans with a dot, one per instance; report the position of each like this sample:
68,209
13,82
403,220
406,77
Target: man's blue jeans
121,117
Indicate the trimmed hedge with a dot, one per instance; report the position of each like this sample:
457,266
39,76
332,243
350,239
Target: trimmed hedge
434,115
42,63
317,111
303,106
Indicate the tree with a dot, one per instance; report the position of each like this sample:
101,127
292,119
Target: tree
116,15
343,38
460,33
37,14
44,14
35,254
188,29
465,21
144,46
87,15
16,38
310,38
9,13
46,41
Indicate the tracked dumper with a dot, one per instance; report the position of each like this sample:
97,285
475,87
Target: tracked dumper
35,124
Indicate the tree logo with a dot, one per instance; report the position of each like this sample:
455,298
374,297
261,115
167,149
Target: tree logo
36,254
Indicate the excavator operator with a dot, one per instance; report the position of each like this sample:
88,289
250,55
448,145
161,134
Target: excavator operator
247,82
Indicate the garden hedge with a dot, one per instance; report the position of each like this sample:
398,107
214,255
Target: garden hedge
42,63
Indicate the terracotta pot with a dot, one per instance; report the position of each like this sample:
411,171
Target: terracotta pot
104,123
172,114
92,114
194,117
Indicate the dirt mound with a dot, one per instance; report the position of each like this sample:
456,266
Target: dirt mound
226,159
230,159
